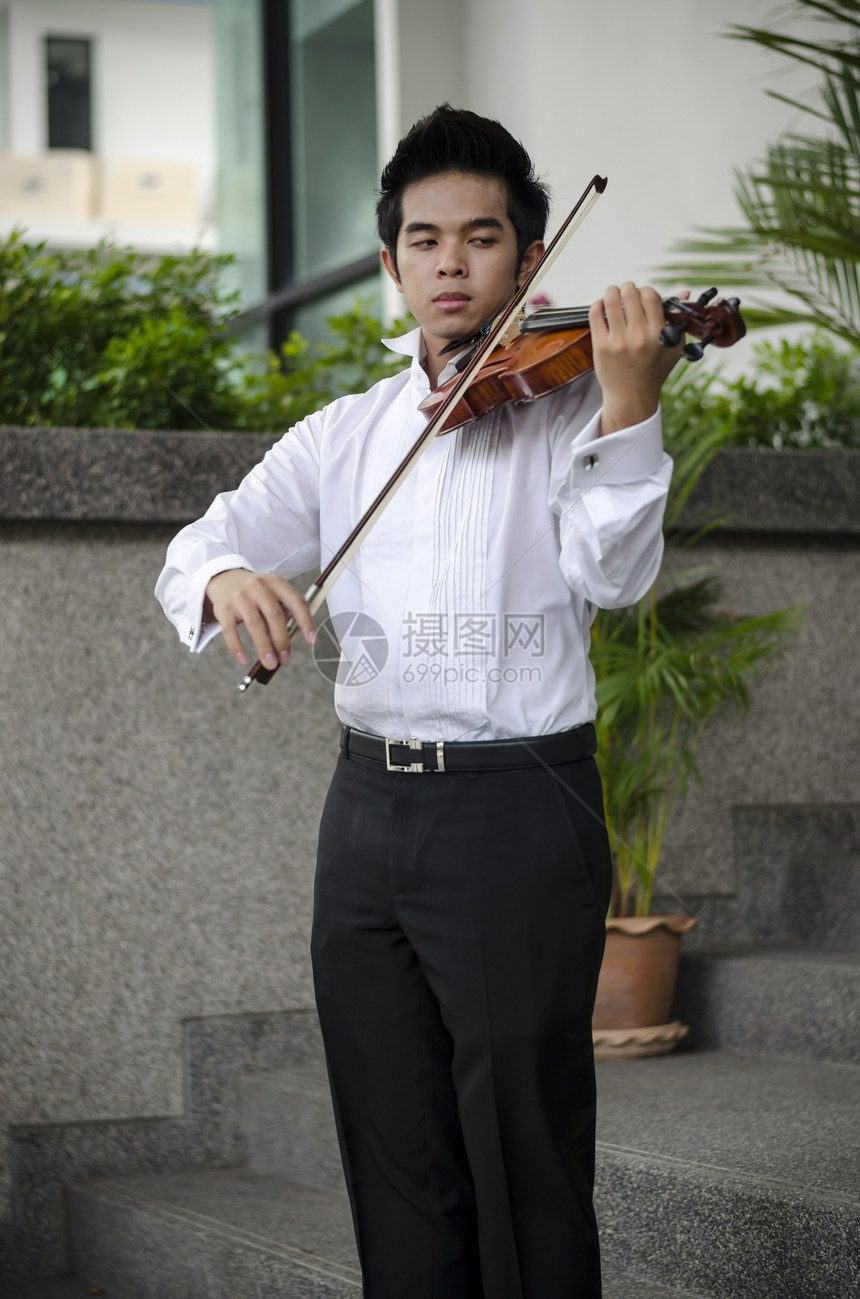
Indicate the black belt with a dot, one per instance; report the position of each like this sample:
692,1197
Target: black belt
486,755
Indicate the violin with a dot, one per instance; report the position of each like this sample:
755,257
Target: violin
553,348
488,376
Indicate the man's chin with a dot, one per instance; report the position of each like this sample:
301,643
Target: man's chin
458,326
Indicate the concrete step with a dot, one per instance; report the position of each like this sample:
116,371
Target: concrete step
233,1234
718,1175
213,1234
786,1002
734,1158
735,1175
67,1287
288,1124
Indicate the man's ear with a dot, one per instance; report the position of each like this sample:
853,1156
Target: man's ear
531,257
388,262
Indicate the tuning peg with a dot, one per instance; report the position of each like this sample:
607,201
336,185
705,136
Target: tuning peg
671,335
734,303
694,351
705,298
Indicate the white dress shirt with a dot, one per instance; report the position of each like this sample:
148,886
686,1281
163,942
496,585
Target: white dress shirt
466,613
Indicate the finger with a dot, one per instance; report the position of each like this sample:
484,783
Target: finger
262,625
279,616
264,603
642,307
597,319
230,634
652,309
613,306
297,606
258,607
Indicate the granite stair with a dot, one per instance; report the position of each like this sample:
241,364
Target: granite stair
234,1234
726,1169
277,1228
795,1001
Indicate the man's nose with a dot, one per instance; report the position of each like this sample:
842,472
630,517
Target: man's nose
451,262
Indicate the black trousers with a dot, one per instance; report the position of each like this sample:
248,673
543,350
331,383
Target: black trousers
458,933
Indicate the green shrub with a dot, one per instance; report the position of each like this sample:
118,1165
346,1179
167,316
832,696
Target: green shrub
109,338
308,377
800,395
80,329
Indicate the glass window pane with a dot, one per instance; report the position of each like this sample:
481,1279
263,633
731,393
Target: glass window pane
69,93
312,319
241,182
333,102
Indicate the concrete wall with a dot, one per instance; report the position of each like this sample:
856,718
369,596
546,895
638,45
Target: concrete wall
157,828
131,774
798,742
793,539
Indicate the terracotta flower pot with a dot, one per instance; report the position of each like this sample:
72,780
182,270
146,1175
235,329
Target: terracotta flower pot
636,987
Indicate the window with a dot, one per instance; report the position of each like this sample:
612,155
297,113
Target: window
68,63
333,149
297,162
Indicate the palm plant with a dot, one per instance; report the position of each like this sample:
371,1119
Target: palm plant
801,203
663,668
666,666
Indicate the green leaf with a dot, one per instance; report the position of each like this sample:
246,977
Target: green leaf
801,202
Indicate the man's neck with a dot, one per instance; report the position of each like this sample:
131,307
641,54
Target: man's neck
432,362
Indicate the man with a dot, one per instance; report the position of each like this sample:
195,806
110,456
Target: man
461,887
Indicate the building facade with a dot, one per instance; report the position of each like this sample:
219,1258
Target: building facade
106,123
257,127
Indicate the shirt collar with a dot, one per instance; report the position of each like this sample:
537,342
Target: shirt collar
412,344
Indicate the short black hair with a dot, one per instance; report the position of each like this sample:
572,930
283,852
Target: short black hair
455,139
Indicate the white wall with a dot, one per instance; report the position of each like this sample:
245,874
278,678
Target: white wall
646,92
153,94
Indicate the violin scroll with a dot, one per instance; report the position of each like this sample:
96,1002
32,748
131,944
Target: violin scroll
708,320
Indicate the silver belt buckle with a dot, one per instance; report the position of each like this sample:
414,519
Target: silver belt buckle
413,743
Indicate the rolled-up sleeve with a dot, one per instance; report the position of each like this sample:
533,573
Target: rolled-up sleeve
270,523
610,497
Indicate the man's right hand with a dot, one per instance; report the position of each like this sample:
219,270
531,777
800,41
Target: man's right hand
263,602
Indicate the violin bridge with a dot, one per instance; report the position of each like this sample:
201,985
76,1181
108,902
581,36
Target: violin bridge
513,331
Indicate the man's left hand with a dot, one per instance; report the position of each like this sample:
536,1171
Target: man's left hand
630,362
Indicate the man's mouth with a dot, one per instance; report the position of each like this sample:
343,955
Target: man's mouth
451,300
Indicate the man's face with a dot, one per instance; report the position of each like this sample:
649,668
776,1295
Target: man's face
457,259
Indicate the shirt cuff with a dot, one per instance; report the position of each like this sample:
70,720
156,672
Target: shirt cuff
627,456
197,636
